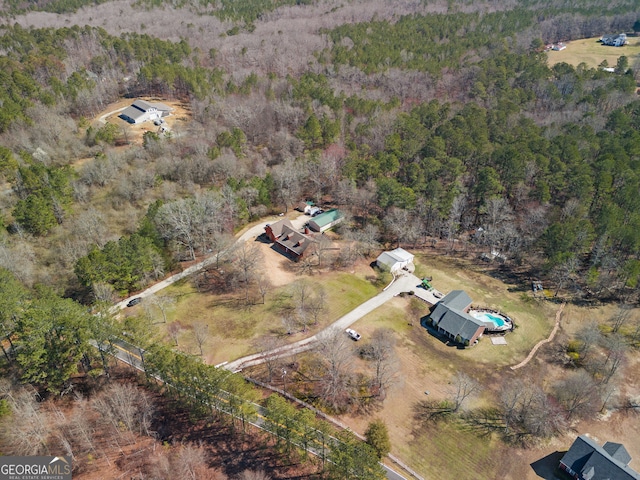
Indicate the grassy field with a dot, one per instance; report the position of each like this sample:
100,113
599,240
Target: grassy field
591,52
233,327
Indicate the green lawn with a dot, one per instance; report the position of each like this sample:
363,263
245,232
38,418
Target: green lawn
233,327
591,52
533,318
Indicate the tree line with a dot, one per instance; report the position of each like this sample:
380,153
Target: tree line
48,338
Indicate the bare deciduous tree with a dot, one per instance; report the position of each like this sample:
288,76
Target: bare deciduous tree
527,411
620,317
617,348
126,406
462,388
265,346
336,354
247,260
578,394
173,330
263,285
162,303
381,352
287,179
589,337
200,334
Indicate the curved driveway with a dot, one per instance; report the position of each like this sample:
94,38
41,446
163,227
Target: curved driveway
403,283
251,232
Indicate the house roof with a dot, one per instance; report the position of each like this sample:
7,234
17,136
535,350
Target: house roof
294,241
276,228
133,112
327,217
146,106
612,37
456,322
401,255
457,300
450,315
142,105
593,462
617,451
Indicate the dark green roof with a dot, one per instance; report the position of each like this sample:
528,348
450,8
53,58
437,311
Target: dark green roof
327,217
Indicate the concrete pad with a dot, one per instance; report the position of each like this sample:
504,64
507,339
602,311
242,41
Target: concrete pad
498,340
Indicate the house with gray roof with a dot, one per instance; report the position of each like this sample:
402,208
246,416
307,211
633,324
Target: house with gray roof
619,40
451,318
586,460
141,111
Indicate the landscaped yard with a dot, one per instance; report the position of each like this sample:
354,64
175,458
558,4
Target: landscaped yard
592,52
426,363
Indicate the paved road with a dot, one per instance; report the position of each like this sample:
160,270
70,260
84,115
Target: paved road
403,283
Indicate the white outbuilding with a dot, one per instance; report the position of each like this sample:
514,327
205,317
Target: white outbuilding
396,260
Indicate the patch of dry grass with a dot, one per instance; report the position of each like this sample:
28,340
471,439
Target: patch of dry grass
233,327
428,365
592,52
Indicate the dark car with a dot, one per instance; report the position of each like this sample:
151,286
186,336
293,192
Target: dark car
134,301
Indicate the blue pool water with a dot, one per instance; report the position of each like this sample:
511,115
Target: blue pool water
488,317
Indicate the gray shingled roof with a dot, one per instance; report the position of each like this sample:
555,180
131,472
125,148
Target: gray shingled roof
450,315
595,463
457,300
617,451
460,323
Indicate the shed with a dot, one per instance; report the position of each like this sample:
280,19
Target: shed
326,220
395,260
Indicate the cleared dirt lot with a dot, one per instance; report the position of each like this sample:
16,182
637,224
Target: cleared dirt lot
179,117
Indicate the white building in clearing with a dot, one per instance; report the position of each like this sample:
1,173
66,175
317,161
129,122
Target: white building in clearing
141,111
395,260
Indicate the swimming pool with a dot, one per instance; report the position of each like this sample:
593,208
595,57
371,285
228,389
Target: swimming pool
487,317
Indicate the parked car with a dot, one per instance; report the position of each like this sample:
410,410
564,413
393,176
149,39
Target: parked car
353,334
134,301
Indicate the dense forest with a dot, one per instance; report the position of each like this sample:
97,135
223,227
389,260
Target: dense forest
541,158
428,123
